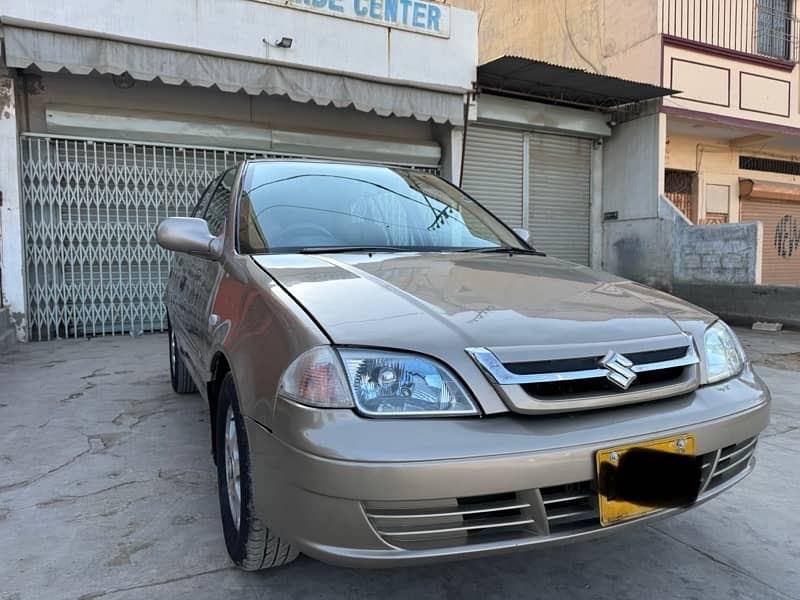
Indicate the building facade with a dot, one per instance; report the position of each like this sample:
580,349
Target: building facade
112,119
723,148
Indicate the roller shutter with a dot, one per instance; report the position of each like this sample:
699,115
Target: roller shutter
560,195
781,246
504,168
493,171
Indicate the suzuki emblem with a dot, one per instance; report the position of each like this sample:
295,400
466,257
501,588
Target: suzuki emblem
619,369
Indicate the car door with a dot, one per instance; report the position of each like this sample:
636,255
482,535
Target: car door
176,296
203,276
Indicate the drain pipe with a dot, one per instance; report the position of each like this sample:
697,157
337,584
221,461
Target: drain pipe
467,97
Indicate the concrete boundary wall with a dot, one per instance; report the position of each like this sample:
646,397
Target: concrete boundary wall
728,253
745,304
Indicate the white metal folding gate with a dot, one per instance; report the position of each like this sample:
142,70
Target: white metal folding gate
90,211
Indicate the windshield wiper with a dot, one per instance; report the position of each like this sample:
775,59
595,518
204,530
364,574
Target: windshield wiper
343,249
504,250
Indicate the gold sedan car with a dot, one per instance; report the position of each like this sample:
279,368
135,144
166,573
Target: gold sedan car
394,376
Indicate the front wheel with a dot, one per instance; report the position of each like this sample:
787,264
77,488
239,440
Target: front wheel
251,545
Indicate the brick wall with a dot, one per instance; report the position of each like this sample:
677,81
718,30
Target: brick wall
718,253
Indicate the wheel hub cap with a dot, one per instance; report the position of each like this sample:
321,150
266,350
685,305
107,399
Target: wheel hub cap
172,351
232,476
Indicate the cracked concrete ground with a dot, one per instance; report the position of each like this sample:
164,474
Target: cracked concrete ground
107,491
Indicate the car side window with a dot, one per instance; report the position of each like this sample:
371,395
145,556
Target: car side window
217,209
200,208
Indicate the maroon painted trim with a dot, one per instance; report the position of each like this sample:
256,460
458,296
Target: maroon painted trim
725,120
672,62
766,112
755,59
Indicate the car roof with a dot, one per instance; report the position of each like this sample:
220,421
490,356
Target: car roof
326,162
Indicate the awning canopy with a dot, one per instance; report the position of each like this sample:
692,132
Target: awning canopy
535,79
84,52
768,190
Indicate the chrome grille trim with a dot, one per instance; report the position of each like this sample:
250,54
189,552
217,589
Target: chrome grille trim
731,465
566,497
727,463
456,521
484,524
570,507
444,514
491,365
539,379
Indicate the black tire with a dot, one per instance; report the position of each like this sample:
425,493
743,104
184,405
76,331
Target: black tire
179,376
251,545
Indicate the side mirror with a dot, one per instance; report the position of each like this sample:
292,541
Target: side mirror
190,236
523,233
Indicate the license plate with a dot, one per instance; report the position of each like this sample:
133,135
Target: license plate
613,509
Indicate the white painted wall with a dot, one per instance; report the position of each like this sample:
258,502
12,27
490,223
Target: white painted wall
633,164
10,214
239,26
638,243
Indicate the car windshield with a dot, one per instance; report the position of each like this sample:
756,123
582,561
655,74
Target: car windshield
295,207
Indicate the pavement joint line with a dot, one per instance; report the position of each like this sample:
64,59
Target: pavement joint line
94,595
721,562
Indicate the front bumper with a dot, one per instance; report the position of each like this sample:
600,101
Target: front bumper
362,492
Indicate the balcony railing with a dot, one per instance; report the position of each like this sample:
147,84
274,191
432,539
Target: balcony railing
761,27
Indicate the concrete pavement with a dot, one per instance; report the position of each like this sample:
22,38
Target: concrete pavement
107,490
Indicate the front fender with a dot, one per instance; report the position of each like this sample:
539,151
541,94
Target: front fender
261,330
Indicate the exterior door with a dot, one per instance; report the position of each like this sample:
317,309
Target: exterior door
179,287
781,245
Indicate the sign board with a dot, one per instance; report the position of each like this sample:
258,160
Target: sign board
419,16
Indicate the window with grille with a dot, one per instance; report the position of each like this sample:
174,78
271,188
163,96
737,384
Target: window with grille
775,28
678,186
769,165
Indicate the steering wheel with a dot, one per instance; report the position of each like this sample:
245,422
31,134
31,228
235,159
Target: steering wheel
319,235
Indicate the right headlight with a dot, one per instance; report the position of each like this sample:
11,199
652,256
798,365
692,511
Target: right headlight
377,383
394,384
724,356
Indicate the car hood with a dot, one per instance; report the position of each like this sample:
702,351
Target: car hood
425,302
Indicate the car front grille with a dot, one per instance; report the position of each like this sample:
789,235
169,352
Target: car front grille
555,511
723,465
453,522
571,507
588,376
601,385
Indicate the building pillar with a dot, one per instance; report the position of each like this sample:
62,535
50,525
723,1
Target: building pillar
11,233
452,151
596,208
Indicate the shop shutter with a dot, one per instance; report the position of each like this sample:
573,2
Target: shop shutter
781,250
493,166
560,195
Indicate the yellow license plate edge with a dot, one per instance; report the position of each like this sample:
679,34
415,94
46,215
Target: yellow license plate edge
615,511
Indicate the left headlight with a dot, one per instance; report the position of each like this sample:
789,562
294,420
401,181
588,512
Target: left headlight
723,352
388,384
